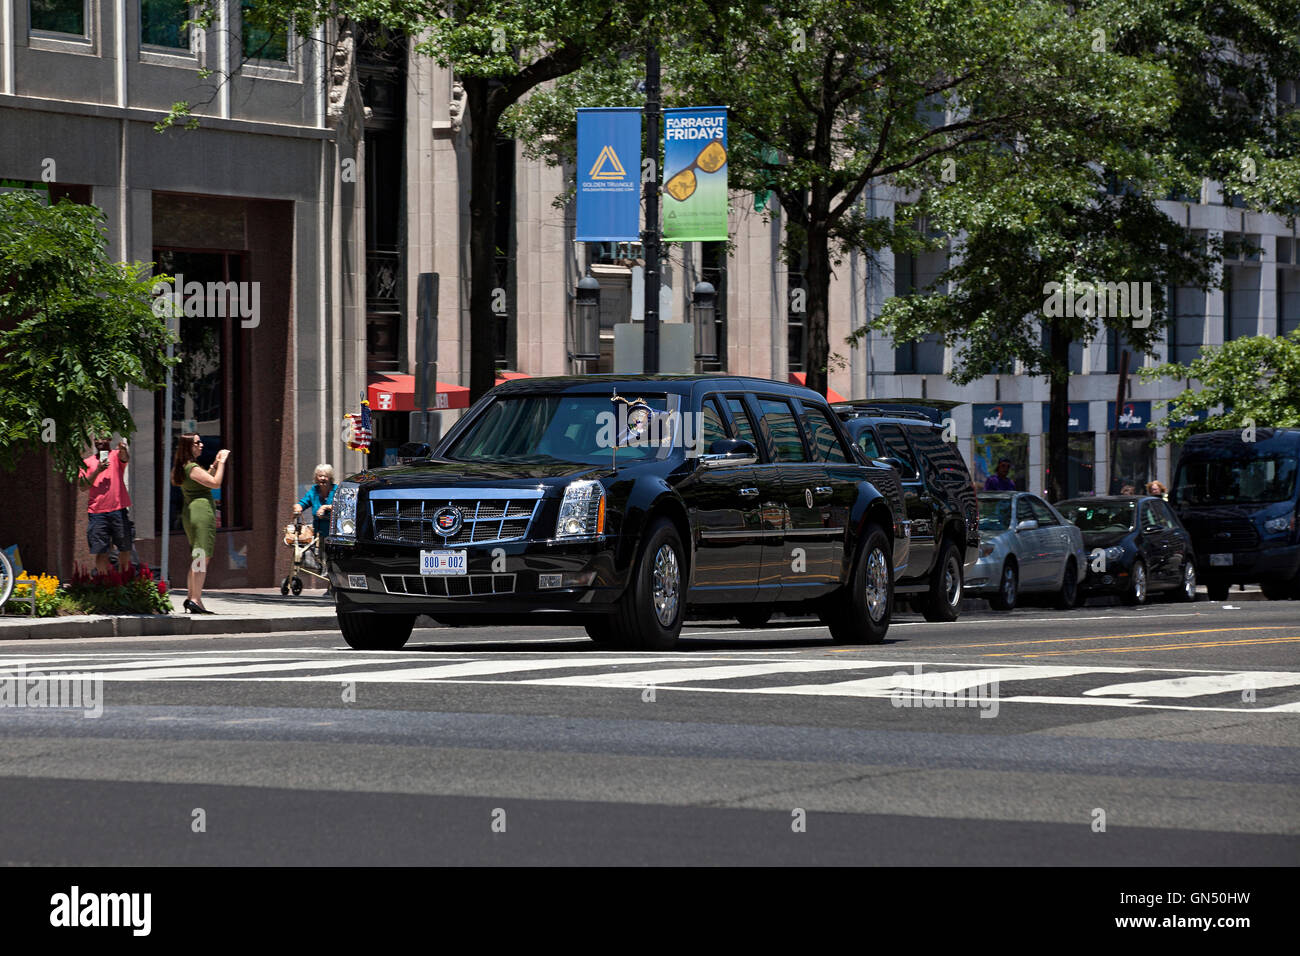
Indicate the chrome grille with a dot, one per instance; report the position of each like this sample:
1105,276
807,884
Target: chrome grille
406,519
449,586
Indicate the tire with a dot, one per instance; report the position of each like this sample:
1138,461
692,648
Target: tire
1218,590
943,601
602,634
376,632
755,616
447,620
284,587
1139,587
1276,590
860,612
648,616
1068,597
296,586
1008,588
1186,590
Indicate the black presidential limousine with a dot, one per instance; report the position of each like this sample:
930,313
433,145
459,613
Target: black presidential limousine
623,504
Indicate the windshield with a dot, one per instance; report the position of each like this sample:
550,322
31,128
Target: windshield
1100,517
1225,481
995,514
538,429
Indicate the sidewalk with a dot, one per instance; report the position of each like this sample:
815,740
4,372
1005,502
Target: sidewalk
245,611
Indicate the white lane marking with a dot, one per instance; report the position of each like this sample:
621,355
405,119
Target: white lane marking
108,665
947,682
196,673
1203,685
673,674
1293,708
1004,621
476,669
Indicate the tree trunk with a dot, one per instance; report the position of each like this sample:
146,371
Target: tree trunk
482,237
818,318
1058,431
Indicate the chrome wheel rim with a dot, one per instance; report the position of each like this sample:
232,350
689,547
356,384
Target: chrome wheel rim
1140,583
952,582
667,581
1189,580
877,585
1008,585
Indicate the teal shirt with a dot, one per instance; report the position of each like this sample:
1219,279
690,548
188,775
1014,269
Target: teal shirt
312,501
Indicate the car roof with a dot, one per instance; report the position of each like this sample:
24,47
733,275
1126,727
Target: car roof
1229,442
1086,499
675,384
864,420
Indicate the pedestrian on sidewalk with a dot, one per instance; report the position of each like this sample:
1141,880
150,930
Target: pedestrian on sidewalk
318,502
108,507
199,514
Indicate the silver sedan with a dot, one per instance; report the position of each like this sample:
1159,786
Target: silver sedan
1025,546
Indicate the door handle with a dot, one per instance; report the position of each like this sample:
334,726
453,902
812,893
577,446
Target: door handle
749,492
823,489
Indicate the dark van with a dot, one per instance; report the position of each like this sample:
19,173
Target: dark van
1239,500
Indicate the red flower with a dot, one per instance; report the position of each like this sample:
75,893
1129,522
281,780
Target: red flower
162,587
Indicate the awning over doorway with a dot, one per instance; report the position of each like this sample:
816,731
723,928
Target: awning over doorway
390,392
800,378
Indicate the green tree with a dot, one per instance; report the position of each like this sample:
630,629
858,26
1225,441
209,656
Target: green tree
75,330
1256,381
1077,201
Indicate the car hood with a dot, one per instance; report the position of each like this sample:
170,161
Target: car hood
443,473
1104,539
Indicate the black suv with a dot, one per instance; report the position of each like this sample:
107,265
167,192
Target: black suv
938,496
623,503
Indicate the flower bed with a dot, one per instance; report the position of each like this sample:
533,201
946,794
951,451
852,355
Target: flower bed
118,592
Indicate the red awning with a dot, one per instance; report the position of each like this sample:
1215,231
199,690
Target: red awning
800,378
389,392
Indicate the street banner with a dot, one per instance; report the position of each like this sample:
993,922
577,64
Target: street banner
695,168
1133,416
1077,417
1005,419
609,175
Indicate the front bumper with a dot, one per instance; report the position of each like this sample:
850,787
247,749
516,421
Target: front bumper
1281,563
985,575
502,579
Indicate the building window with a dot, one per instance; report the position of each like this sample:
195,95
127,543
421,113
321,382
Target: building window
162,23
262,40
1288,300
59,16
714,271
797,323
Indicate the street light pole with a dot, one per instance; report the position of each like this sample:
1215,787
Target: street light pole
650,356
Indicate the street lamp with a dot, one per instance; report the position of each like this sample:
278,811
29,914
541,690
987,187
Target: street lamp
704,299
585,333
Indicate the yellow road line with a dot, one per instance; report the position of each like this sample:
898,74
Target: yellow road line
1154,647
1117,637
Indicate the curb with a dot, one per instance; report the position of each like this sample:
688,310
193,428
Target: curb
150,625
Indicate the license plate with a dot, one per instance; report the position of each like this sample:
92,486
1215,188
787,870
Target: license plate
1220,560
442,562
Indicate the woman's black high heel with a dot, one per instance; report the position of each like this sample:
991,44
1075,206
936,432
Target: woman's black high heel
193,608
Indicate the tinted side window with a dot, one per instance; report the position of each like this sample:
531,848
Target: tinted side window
1163,515
778,417
822,435
711,426
1041,514
942,459
896,447
740,418
867,439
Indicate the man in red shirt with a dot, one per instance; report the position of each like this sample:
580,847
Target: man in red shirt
109,517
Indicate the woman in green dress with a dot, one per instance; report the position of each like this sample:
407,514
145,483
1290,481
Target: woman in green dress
199,514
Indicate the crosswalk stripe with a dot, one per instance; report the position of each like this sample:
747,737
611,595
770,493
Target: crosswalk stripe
200,671
947,682
477,669
1199,686
675,674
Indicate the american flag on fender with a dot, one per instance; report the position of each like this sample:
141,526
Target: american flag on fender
360,438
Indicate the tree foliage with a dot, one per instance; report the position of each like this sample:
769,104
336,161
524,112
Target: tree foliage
75,330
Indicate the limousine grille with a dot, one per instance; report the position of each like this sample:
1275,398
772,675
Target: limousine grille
404,520
450,586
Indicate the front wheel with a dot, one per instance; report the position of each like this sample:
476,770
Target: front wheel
860,612
943,601
1005,599
1187,583
1068,597
648,616
1276,590
1137,585
376,632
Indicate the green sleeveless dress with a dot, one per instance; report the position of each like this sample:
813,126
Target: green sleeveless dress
199,516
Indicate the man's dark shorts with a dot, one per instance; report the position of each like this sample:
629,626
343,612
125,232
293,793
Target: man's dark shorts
110,528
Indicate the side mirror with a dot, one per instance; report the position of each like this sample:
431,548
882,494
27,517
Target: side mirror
413,450
897,464
1152,529
1029,524
729,451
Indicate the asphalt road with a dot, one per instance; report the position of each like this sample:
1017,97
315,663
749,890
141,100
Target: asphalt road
999,739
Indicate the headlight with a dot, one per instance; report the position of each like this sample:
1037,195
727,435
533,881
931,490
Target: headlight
987,549
582,512
1114,554
1281,523
343,516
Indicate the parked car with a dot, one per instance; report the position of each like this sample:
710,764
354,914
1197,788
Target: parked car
938,495
1239,499
1136,546
1026,547
623,504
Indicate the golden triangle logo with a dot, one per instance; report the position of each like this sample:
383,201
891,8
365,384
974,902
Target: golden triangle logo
615,170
